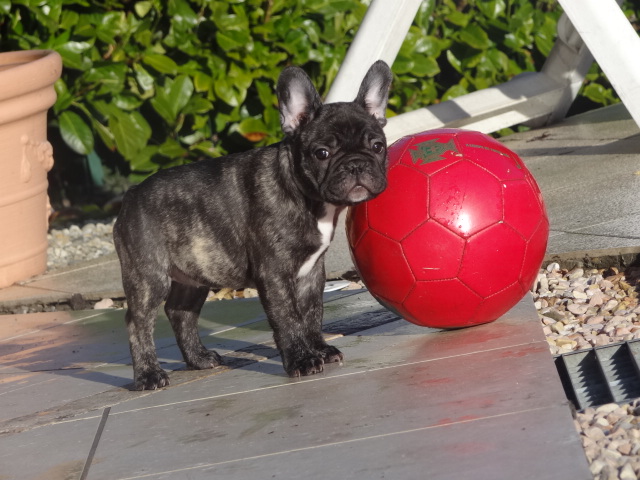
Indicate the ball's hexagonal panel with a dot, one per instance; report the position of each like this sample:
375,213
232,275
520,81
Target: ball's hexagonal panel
357,223
522,209
465,198
493,156
444,304
534,254
433,252
495,306
492,260
428,152
402,206
382,266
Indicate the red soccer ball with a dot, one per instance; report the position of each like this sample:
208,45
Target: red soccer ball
458,236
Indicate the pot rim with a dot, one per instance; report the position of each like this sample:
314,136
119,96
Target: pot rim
25,71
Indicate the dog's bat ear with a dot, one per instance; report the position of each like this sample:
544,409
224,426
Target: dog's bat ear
374,91
298,100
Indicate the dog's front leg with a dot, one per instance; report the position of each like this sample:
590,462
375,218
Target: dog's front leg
294,309
310,300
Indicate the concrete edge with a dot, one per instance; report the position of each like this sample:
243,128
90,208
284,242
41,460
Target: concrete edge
620,258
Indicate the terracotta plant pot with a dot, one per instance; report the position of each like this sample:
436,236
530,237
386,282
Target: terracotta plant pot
26,156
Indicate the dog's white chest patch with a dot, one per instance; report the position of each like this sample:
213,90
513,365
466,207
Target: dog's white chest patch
325,226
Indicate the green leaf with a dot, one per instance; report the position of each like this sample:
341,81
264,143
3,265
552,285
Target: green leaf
109,76
145,80
231,40
454,62
425,67
491,9
545,37
69,19
172,98
142,8
453,92
75,132
202,82
266,94
127,101
180,92
143,162
196,105
64,97
131,133
105,134
73,55
458,18
403,64
182,16
474,36
171,148
161,63
228,93
598,94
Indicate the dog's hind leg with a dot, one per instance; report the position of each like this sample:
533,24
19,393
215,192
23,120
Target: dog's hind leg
183,309
143,303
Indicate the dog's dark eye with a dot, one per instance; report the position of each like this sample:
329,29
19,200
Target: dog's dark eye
322,154
378,147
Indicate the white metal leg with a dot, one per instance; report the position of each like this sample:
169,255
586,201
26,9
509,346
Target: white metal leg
379,37
614,44
534,98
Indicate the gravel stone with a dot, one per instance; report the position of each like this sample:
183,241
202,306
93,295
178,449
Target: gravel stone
68,246
596,308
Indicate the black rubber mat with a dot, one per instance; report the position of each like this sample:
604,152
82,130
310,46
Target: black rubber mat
601,375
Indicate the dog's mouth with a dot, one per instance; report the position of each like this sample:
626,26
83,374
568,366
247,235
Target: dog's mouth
359,193
351,191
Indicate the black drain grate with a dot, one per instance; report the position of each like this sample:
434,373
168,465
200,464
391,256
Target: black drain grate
601,375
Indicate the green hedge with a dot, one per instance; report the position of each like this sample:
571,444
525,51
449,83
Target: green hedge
155,83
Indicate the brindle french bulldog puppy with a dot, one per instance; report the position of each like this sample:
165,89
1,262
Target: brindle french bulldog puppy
262,218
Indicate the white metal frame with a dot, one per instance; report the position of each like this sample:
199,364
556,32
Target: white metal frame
587,29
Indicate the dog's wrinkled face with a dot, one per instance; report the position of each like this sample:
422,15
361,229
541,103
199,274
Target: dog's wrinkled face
344,154
340,149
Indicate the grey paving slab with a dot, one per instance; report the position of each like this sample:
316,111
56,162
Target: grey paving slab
487,448
35,394
401,384
56,452
369,349
406,400
50,360
588,169
82,279
94,279
480,449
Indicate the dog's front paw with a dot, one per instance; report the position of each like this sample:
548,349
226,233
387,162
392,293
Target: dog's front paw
204,359
305,364
151,379
331,354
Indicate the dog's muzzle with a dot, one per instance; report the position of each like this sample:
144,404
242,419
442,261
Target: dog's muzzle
355,181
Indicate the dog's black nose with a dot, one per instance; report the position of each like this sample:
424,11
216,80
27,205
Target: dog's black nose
355,167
